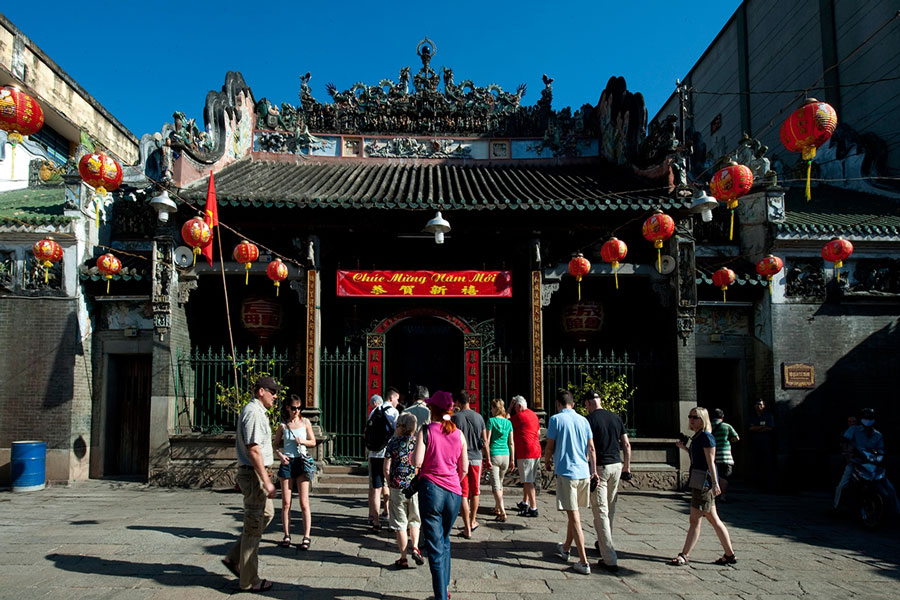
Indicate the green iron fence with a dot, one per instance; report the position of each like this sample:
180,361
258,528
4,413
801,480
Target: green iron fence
503,375
344,401
197,372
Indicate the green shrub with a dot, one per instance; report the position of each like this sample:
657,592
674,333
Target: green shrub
615,394
234,397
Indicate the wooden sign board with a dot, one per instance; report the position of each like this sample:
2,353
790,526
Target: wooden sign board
798,376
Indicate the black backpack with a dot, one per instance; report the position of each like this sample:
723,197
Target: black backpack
378,430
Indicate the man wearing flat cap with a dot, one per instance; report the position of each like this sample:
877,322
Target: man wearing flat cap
254,451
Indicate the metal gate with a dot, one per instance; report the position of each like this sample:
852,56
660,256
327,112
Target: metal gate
344,401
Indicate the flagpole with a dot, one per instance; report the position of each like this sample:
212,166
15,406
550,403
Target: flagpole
212,212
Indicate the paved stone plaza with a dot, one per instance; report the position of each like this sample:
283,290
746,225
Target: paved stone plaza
125,540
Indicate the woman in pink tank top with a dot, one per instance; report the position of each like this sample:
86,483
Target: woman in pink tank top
442,462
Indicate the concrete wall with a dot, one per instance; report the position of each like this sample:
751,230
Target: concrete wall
46,383
67,106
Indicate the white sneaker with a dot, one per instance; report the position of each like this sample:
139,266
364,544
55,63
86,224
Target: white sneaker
561,552
583,569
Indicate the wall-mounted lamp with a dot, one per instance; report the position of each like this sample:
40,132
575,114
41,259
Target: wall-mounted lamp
704,205
163,205
438,226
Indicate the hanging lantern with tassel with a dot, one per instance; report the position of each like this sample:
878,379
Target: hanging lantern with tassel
108,265
578,268
277,272
730,183
48,253
837,251
196,234
20,115
657,229
723,278
101,172
247,254
614,251
806,129
769,267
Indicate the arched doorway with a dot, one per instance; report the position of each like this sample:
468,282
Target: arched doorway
398,347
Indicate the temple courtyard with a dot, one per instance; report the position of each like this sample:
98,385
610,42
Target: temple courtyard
104,539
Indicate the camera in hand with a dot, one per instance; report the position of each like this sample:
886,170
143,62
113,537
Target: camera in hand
627,476
683,438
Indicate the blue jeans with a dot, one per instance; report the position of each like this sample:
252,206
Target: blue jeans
438,509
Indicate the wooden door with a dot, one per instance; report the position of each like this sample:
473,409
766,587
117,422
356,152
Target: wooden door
128,416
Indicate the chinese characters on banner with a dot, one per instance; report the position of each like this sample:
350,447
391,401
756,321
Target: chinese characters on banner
425,284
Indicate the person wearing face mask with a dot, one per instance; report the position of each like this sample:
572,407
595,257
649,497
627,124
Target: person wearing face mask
863,438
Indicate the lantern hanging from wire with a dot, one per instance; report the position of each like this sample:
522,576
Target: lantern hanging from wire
20,115
277,272
108,265
579,266
614,251
837,251
730,183
196,234
247,254
723,278
769,266
48,253
806,129
101,172
657,229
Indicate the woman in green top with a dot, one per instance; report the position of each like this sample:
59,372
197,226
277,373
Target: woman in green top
501,450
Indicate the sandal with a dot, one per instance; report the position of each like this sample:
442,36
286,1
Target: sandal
501,518
286,542
680,560
401,563
417,556
304,543
263,586
726,559
231,567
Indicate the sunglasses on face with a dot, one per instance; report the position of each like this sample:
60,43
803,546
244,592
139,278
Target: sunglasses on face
293,408
693,417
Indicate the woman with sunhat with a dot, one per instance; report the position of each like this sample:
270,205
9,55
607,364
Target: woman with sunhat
442,463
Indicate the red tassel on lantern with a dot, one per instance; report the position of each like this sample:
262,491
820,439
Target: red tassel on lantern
579,267
613,251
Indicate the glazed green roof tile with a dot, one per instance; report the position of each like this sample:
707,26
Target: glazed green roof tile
33,207
833,211
419,186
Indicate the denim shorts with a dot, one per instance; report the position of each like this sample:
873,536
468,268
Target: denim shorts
293,469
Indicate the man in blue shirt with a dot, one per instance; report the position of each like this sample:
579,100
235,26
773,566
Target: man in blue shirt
570,451
857,441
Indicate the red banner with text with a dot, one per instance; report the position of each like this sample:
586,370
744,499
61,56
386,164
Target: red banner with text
425,284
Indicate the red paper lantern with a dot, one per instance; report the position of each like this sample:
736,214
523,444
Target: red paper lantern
723,278
262,317
101,172
108,265
657,229
48,253
277,272
806,129
769,267
20,115
578,268
196,234
837,251
583,320
246,253
613,251
730,183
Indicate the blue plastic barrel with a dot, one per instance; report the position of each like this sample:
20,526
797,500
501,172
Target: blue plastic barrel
28,464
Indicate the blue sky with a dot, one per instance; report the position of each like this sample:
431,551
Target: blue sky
144,61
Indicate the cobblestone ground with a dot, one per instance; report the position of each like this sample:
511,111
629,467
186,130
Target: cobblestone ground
123,540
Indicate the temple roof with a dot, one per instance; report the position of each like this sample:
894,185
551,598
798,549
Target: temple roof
33,206
415,186
834,211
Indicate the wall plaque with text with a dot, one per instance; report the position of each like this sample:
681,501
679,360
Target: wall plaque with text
798,376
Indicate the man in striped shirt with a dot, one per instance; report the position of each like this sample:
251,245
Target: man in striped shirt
725,435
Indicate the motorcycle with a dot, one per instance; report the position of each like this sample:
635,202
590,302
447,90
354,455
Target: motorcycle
868,475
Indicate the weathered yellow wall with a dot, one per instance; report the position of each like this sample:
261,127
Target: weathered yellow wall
53,93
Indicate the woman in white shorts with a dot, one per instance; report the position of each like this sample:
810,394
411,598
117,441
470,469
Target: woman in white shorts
501,449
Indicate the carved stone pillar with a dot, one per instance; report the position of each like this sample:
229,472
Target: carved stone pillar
685,313
162,398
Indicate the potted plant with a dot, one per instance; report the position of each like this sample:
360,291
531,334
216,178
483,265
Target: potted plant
615,394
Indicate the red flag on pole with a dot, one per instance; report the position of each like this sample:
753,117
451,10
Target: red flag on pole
211,218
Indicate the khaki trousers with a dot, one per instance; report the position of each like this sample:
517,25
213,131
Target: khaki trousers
603,505
258,513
